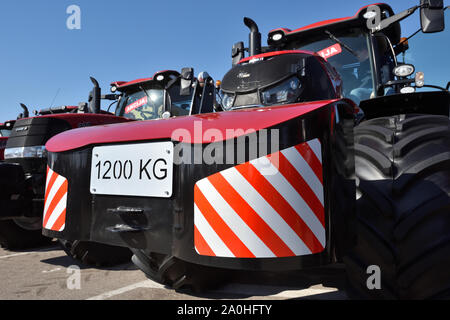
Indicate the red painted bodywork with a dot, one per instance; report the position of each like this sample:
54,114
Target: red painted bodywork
224,124
77,120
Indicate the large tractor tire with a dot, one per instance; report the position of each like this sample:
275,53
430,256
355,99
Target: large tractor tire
178,274
21,234
403,208
95,254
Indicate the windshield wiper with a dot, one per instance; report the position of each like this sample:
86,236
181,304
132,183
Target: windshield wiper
332,37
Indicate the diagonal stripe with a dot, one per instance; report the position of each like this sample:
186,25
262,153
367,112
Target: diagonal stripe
276,200
211,238
201,246
255,245
56,212
296,180
304,170
51,178
279,182
310,157
250,217
56,185
236,246
60,221
316,147
273,218
55,197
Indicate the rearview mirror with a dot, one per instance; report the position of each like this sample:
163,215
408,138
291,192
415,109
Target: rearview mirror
432,16
237,53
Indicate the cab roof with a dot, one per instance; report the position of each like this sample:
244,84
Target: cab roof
358,21
124,85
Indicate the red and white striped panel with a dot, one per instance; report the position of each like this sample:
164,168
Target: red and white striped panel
269,207
55,201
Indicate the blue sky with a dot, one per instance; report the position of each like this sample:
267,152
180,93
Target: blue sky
125,40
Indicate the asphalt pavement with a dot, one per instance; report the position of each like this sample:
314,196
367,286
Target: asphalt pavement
49,274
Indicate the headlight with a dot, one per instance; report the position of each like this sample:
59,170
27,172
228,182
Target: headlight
227,100
26,152
286,92
404,70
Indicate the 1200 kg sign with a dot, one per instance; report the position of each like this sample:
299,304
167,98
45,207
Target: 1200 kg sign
144,169
147,169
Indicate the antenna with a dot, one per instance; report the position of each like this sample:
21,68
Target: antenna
51,105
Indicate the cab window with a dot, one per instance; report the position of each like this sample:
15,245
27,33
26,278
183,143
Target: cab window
146,104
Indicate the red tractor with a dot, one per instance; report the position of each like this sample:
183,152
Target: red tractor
23,174
294,174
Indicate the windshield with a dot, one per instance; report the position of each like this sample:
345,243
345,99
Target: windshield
354,68
146,104
5,132
180,105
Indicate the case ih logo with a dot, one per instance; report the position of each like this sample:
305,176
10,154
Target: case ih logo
243,75
330,51
136,104
20,129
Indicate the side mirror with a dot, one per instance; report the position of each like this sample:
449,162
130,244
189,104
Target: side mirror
237,52
187,78
432,16
94,97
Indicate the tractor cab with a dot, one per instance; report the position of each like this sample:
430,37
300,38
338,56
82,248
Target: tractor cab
5,128
362,48
364,60
167,94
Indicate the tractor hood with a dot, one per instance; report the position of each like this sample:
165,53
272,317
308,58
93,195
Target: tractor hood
266,71
231,124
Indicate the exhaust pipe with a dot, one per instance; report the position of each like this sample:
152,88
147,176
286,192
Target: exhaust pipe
25,114
94,97
254,43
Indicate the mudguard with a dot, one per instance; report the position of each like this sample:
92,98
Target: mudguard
286,202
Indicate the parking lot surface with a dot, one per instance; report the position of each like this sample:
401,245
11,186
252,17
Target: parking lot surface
49,274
